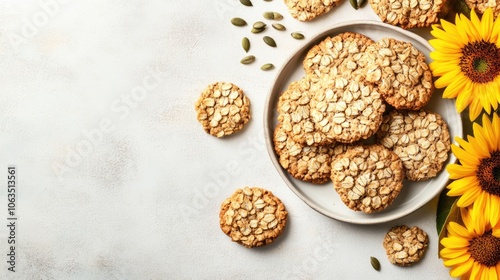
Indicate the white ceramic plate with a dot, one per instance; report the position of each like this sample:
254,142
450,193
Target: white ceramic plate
323,198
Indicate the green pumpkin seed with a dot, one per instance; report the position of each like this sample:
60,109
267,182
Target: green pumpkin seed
248,59
361,3
255,31
267,67
259,25
268,15
279,26
269,41
375,263
354,4
277,16
297,35
238,21
247,3
245,43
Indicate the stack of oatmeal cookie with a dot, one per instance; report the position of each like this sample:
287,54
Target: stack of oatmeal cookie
356,118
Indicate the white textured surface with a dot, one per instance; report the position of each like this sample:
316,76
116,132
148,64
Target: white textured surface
142,201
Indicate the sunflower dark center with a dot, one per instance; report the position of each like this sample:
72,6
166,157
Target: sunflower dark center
480,61
488,174
496,173
485,249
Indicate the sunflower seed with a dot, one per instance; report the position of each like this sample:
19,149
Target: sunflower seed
269,15
255,31
269,41
375,263
361,3
267,67
277,16
297,35
248,59
279,26
259,25
238,21
247,3
354,4
245,43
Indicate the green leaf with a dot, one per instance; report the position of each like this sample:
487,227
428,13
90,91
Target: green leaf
443,210
456,7
461,7
447,211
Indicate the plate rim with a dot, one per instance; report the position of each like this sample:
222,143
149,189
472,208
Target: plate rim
268,118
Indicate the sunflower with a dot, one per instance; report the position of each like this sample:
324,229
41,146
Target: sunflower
477,176
473,251
466,57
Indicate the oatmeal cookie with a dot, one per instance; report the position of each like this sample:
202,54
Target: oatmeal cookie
410,13
222,109
420,138
405,246
306,10
367,178
294,111
253,217
337,55
400,72
306,163
348,111
480,6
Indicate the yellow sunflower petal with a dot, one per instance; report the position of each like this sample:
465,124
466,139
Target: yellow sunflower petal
454,242
462,269
457,261
468,28
477,271
474,19
477,214
443,34
495,124
488,91
457,171
465,97
463,185
467,220
447,78
449,253
443,46
475,109
495,30
455,87
464,156
482,95
489,133
453,30
480,136
461,30
469,196
492,271
442,64
449,60
498,98
466,145
481,146
496,232
493,102
493,204
457,229
486,25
